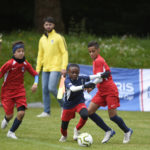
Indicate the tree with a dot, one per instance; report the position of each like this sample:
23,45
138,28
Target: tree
44,8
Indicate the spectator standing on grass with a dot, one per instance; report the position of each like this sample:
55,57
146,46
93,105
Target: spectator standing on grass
13,91
53,57
107,95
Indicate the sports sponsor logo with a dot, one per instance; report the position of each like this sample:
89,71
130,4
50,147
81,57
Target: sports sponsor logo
13,68
52,41
82,81
126,90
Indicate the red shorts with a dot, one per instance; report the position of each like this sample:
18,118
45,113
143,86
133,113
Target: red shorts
8,104
68,114
108,100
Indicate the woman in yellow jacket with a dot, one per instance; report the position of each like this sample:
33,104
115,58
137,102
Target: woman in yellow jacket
53,59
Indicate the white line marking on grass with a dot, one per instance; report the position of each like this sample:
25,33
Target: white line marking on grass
49,144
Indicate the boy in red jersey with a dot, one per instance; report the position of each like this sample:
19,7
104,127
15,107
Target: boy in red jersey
107,94
12,90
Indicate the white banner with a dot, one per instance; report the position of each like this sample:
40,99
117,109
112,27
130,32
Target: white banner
144,89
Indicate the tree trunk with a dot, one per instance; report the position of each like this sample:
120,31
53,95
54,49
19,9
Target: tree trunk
44,8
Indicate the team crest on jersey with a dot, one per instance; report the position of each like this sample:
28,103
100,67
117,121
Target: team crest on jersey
22,69
52,41
82,81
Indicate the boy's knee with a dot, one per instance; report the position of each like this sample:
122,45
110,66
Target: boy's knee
21,112
84,113
8,117
90,111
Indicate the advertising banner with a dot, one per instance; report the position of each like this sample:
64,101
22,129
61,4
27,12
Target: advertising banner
133,86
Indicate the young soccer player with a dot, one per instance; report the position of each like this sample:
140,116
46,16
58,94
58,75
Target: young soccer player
107,94
74,100
12,90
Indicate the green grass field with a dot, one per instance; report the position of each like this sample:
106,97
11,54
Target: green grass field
44,133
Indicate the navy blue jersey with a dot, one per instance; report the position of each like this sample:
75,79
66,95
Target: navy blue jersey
72,99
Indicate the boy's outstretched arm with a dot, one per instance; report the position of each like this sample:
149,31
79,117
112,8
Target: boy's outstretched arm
81,87
35,84
94,76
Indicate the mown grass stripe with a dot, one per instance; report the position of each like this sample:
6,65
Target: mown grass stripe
49,144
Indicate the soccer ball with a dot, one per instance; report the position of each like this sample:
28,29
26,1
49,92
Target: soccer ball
85,139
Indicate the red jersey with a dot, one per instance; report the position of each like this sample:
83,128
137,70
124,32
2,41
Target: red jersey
13,73
107,86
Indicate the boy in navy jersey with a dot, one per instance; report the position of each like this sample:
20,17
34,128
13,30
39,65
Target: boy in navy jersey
74,99
107,95
12,90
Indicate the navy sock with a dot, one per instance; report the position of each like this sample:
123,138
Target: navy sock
119,121
15,125
6,119
99,121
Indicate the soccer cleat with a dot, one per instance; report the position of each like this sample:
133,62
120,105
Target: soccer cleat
4,124
43,114
63,139
76,134
108,135
12,135
127,136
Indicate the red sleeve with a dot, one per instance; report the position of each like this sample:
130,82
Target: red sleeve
6,67
100,65
30,69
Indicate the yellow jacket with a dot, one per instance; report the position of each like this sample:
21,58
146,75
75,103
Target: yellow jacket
52,53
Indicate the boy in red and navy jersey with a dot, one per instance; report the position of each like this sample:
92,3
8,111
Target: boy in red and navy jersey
12,90
107,95
74,100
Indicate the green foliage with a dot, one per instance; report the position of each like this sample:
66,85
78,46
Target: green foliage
125,51
44,133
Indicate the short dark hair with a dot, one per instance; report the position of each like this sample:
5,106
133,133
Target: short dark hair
17,42
49,19
72,65
93,43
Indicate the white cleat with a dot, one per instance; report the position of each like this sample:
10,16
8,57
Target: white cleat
4,124
127,136
43,114
63,139
12,135
108,135
76,134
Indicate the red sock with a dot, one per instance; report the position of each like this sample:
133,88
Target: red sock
63,132
80,123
